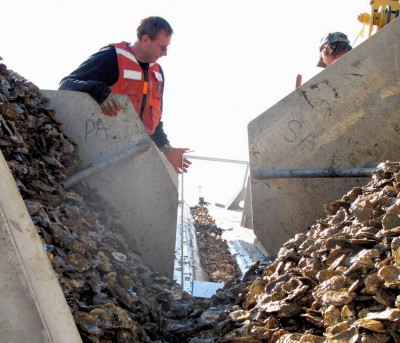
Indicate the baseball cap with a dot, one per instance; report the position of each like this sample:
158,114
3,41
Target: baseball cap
331,37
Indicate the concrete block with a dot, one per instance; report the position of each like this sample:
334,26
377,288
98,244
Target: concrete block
144,188
347,116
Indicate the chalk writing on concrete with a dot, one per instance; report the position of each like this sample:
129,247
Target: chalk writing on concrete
294,134
294,127
96,129
308,140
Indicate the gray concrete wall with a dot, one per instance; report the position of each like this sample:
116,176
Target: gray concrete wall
32,306
144,188
347,116
247,213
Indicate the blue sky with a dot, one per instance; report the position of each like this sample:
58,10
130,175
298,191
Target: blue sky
229,61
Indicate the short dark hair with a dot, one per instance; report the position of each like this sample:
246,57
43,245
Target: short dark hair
152,26
339,47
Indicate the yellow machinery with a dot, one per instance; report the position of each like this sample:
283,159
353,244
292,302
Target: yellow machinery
382,13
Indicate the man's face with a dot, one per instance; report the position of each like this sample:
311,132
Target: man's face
327,55
157,47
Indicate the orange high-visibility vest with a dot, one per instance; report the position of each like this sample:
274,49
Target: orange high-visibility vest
144,88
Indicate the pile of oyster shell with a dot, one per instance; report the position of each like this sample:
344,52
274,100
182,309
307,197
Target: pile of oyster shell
216,260
337,282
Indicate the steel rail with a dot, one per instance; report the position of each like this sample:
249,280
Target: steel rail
216,159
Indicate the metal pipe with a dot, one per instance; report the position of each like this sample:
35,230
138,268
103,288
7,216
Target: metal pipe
261,174
100,166
182,223
216,159
245,176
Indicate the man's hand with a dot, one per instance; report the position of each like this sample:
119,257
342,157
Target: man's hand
110,106
174,156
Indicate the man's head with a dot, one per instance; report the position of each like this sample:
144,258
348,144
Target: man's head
152,26
333,46
153,39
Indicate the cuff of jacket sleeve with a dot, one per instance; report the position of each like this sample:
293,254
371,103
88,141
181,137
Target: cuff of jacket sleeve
100,92
164,148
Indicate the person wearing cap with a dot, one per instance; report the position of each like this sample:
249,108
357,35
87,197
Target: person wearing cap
333,46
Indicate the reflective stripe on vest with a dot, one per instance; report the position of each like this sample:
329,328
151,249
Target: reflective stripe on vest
131,82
